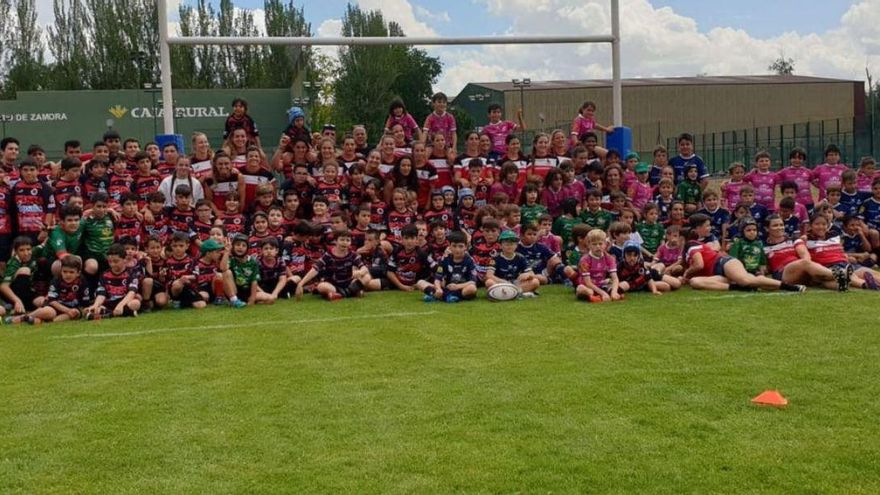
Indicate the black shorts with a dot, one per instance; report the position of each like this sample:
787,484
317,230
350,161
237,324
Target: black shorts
188,296
85,254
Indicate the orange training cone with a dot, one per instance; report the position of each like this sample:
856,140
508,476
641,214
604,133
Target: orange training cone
770,398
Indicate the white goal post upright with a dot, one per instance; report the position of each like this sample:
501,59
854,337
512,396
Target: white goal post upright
165,42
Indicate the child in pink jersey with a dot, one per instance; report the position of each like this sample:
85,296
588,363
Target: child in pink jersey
730,189
867,174
585,122
829,172
498,129
441,122
763,180
597,271
800,175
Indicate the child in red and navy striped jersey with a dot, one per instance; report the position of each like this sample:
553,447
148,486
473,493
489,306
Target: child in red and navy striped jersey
117,293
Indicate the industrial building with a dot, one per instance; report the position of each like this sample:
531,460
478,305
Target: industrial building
656,109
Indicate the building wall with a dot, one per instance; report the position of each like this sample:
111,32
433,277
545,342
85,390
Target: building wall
658,112
49,118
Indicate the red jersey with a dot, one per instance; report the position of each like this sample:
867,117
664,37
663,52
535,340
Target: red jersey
397,221
120,185
5,202
144,186
779,255
33,201
709,255
64,189
828,252
444,172
176,268
234,223
443,216
126,226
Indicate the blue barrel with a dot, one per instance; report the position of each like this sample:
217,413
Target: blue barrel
163,139
621,140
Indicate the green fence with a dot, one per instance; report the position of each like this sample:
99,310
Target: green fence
720,149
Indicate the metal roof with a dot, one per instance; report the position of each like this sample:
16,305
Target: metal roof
664,81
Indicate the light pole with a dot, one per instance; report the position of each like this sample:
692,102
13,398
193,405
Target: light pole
154,88
522,84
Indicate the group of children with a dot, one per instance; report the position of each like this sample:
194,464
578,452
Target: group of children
121,230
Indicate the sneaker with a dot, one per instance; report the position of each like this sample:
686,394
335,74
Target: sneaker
30,320
452,298
175,305
801,288
528,295
870,281
842,275
219,301
238,304
595,299
8,320
428,298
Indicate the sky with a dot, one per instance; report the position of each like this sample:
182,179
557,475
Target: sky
830,38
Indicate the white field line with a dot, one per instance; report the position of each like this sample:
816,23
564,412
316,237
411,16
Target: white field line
287,323
704,297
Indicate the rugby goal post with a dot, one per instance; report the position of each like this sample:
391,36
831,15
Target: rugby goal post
165,42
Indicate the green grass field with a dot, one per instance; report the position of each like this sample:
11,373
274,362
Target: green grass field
391,395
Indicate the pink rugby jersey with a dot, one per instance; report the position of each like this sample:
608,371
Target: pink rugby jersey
583,124
641,194
730,190
765,188
443,124
801,176
826,175
864,181
498,133
597,269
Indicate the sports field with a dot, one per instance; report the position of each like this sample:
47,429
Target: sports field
391,395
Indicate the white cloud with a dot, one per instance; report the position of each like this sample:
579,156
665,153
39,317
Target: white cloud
424,13
657,42
328,29
401,12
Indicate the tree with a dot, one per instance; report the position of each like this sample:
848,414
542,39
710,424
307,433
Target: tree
782,66
69,45
26,68
368,77
283,63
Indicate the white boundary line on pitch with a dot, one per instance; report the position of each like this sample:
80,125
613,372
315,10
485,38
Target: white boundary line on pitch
224,326
744,295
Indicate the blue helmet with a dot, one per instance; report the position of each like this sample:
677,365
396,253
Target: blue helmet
294,113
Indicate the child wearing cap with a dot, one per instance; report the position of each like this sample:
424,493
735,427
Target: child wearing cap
640,191
466,213
511,266
214,265
689,190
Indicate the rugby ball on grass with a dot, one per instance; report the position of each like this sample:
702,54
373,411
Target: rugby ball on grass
503,291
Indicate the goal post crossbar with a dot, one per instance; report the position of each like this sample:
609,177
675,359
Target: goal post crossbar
166,41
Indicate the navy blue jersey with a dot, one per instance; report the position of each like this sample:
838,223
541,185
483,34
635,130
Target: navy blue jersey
870,212
718,218
617,252
449,271
663,207
852,243
409,266
270,274
509,268
792,226
760,214
850,203
537,255
680,164
72,295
